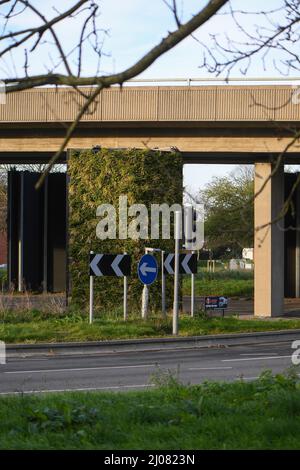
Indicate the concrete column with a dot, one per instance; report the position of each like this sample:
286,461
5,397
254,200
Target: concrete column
297,251
268,242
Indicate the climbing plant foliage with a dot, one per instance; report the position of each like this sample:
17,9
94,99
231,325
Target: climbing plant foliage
145,177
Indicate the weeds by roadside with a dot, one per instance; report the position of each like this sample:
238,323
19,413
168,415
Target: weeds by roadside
263,414
32,326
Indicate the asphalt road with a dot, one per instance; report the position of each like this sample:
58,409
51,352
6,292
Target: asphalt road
242,307
134,370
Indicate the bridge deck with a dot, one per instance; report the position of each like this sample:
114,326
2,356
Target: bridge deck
208,124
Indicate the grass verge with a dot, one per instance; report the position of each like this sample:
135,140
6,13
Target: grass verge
264,414
34,327
228,283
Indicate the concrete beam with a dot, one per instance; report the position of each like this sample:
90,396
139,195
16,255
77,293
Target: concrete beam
268,241
51,142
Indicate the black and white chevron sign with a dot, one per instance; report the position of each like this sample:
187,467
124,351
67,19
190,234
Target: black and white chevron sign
110,265
187,263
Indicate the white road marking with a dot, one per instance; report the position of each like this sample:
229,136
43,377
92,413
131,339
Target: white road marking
209,368
258,354
254,358
87,389
77,369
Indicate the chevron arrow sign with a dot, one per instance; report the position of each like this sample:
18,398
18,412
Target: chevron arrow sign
110,265
187,263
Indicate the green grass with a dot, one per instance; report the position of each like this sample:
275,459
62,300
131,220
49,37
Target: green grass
264,414
33,327
3,276
228,283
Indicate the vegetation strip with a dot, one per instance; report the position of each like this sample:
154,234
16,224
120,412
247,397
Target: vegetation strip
263,414
37,327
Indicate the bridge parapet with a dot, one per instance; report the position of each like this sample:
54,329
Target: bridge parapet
154,104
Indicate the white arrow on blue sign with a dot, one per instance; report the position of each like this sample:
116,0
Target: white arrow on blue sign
147,269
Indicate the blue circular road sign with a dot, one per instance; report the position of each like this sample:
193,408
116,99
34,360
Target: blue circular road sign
147,269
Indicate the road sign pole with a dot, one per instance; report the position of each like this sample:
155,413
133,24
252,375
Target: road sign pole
125,296
163,285
145,298
192,292
176,272
91,296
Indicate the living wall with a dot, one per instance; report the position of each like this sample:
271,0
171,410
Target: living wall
95,178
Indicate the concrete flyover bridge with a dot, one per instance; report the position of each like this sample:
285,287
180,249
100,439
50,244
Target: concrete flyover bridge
209,123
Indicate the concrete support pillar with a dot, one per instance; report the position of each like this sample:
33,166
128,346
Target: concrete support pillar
297,251
268,242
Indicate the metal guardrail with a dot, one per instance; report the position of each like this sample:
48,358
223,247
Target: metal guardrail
204,80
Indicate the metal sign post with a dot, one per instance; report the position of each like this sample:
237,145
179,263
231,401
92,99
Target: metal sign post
176,272
125,296
118,265
145,298
91,295
192,292
163,285
2,353
187,265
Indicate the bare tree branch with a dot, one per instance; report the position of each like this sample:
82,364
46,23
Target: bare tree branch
278,32
172,39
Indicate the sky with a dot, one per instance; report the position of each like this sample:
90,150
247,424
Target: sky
132,27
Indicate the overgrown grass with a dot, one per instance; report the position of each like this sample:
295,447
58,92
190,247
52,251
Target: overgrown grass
264,414
228,283
3,277
32,327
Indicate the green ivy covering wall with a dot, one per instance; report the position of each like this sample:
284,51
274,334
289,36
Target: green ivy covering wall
145,176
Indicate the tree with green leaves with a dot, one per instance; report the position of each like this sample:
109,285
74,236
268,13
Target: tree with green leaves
229,212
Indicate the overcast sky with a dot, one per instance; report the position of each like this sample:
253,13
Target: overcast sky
134,27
